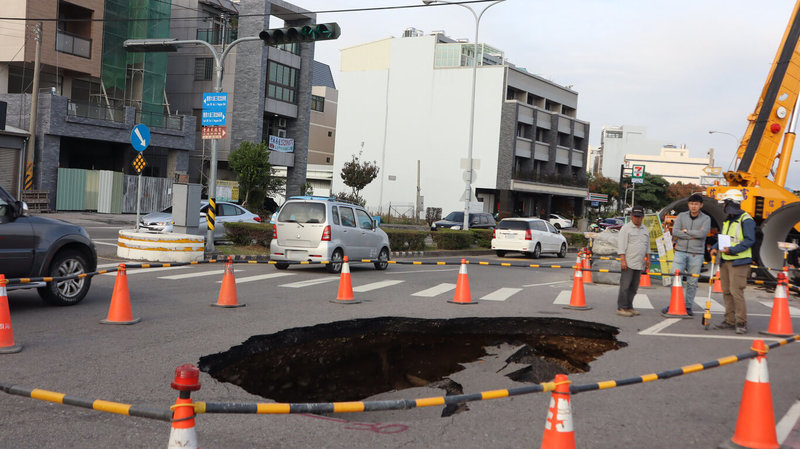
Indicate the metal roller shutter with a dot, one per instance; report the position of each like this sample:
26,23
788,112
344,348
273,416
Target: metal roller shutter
9,168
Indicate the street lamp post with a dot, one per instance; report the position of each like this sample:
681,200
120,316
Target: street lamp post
468,193
738,142
162,45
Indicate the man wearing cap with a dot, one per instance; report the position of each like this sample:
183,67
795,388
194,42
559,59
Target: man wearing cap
689,232
634,252
740,228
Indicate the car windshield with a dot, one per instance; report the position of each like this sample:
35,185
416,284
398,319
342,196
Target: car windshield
513,225
302,212
455,216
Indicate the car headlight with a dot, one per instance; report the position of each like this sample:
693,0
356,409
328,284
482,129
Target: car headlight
455,227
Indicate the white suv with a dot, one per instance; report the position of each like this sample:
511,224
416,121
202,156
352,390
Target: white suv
318,229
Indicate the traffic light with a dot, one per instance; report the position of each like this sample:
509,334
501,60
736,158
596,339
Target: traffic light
305,33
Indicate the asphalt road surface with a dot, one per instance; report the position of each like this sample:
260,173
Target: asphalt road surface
67,350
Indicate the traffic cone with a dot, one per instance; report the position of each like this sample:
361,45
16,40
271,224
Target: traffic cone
462,295
755,425
7,345
677,306
345,294
558,428
586,264
227,293
780,321
717,284
183,435
578,299
644,279
120,310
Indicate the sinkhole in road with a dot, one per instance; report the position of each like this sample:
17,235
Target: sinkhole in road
355,359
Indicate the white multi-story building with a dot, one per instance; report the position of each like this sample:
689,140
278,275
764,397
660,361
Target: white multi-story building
404,101
617,141
672,164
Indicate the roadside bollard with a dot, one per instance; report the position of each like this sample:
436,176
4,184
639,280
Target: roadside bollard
183,434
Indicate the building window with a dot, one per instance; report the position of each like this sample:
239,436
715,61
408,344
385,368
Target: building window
282,82
330,133
317,103
327,160
203,68
614,134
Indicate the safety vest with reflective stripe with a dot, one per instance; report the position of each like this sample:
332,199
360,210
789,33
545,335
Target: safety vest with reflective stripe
734,229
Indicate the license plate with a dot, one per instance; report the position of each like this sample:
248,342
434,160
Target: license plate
296,255
509,236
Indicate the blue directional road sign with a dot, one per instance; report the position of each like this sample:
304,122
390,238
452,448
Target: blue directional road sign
215,108
140,137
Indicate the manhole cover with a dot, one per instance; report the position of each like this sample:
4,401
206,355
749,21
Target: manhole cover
355,359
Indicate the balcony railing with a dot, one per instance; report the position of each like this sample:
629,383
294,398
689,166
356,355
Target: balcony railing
563,180
73,44
155,120
96,111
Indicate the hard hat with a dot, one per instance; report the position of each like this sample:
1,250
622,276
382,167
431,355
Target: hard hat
732,194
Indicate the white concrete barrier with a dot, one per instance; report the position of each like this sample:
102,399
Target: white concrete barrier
134,245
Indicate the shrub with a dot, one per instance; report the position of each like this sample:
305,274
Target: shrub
452,239
249,233
576,239
406,240
482,237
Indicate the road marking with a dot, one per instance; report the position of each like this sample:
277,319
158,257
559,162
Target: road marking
436,290
657,328
793,311
196,274
260,277
103,243
715,306
421,271
642,301
501,294
115,264
130,271
787,422
546,283
310,282
563,297
375,286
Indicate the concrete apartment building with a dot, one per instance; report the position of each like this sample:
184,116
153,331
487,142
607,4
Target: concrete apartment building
404,100
91,91
617,141
673,164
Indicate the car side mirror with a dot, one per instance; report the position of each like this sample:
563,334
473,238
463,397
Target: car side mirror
20,208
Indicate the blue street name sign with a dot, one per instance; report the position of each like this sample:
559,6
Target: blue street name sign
215,108
140,137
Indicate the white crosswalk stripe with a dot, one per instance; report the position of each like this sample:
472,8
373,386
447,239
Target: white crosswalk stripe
642,301
259,277
501,294
197,274
310,282
793,311
375,286
435,291
563,297
715,306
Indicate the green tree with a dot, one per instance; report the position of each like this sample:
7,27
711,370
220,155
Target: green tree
652,194
356,174
250,162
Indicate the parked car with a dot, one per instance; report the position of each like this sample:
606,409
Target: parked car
35,246
161,222
530,236
611,223
318,229
560,222
455,220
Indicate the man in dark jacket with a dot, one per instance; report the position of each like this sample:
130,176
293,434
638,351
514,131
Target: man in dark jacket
735,246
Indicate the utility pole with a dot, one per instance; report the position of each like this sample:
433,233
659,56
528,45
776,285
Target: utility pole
37,36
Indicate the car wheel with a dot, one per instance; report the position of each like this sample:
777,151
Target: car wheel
563,253
557,226
281,265
383,258
500,253
537,251
337,258
71,291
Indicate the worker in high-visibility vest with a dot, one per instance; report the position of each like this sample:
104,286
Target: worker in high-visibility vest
736,257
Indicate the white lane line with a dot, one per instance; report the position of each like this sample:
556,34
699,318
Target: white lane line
375,286
793,311
310,282
196,274
436,290
421,271
658,327
103,243
787,422
501,294
642,301
563,297
260,277
131,271
546,283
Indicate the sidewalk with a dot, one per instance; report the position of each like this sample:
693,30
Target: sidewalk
80,218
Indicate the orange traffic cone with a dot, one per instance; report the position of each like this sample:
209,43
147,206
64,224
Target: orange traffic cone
7,345
586,265
717,284
677,306
462,295
227,293
558,429
780,322
755,426
345,294
578,299
183,435
120,310
644,279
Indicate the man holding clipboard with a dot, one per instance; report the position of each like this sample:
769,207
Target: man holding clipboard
735,243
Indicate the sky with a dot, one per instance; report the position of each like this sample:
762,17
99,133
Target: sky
679,68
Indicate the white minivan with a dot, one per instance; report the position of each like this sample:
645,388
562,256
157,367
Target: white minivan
530,236
319,229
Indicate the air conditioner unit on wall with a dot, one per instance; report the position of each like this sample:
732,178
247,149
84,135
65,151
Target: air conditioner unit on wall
281,122
281,133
